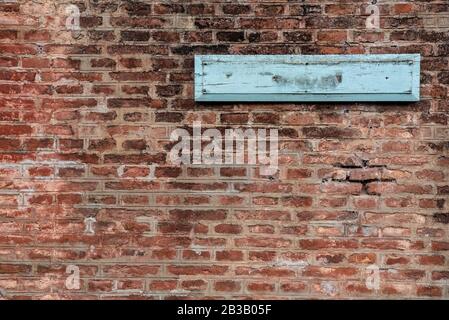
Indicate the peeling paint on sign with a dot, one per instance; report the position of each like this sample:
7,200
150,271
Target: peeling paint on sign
389,77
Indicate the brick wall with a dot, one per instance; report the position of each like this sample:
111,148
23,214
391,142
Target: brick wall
85,121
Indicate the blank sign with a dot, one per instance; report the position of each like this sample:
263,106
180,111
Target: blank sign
296,78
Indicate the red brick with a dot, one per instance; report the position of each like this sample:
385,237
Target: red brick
260,287
227,286
85,132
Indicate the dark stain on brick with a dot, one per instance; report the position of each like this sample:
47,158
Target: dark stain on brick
441,217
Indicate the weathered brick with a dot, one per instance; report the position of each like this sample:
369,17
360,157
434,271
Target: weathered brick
86,119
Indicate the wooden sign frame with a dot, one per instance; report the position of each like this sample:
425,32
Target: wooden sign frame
307,78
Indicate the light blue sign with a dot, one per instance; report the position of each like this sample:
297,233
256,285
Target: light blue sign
307,78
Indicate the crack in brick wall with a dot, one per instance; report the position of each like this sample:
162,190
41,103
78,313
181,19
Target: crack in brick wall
85,123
